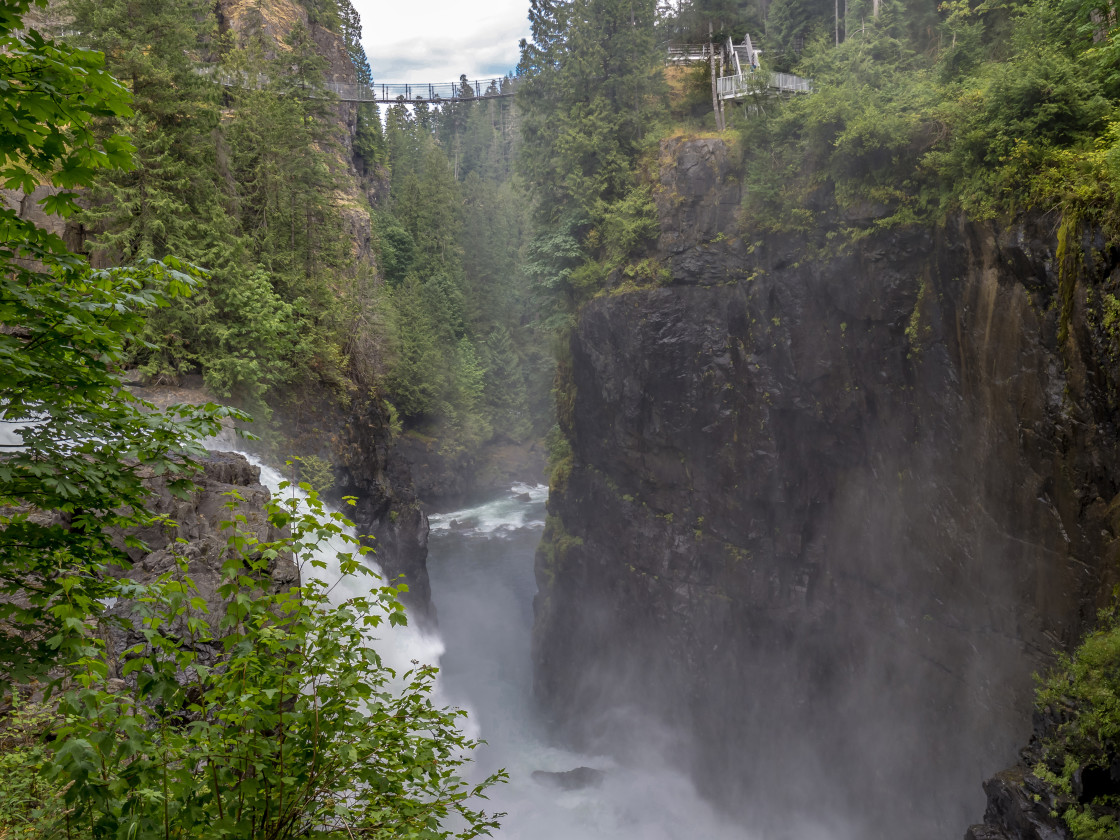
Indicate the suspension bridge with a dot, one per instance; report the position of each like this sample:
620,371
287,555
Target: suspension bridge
738,77
389,93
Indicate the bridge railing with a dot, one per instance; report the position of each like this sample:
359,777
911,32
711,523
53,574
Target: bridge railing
449,91
735,87
682,53
388,92
789,83
744,84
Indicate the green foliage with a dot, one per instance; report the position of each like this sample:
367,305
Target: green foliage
397,248
71,474
590,84
148,210
1017,114
325,13
1083,690
977,108
506,398
560,458
274,719
465,357
27,799
414,374
249,195
626,228
792,22
691,23
369,139
350,25
852,142
314,471
553,256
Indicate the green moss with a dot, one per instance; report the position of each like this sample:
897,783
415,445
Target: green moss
1083,690
916,330
560,459
1068,257
556,544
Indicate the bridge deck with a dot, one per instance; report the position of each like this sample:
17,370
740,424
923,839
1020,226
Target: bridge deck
388,92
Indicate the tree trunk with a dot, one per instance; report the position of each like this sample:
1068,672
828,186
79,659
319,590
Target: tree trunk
715,82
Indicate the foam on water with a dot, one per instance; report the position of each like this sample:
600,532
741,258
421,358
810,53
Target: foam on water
520,507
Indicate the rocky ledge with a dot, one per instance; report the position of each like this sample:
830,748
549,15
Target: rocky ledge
228,486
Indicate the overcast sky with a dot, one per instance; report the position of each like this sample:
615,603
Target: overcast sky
436,40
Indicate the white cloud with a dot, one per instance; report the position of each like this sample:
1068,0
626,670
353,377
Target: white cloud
436,40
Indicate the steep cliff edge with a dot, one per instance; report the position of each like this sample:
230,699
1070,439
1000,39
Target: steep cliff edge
824,515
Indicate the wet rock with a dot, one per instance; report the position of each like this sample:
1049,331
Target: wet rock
833,516
197,538
455,481
523,497
368,467
1019,808
577,779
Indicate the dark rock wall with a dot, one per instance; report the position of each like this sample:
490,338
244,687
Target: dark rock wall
198,538
387,509
356,437
826,514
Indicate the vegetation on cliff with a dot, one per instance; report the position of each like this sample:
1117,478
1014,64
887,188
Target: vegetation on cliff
1080,752
343,259
921,111
926,111
267,714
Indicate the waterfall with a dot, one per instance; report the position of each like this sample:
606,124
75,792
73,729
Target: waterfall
481,567
398,646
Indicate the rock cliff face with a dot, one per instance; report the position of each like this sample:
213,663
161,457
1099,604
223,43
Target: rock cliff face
356,439
204,542
387,507
825,514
